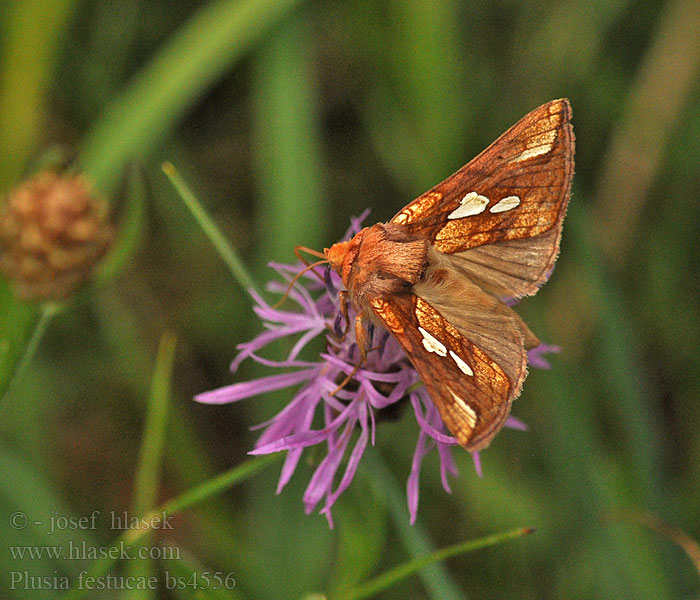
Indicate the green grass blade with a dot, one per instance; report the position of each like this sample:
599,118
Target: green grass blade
205,48
287,146
418,101
216,485
435,577
620,363
150,456
219,484
14,375
25,492
210,229
395,575
31,37
130,231
666,80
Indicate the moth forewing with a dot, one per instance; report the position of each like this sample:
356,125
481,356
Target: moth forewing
469,389
494,330
509,202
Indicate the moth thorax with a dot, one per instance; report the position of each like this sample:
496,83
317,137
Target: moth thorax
393,253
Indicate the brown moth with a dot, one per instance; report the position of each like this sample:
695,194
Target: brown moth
434,275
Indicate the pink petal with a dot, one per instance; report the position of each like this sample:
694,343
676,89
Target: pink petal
476,457
428,428
323,476
515,423
248,389
412,483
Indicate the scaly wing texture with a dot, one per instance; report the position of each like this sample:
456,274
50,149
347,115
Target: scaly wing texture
473,370
498,219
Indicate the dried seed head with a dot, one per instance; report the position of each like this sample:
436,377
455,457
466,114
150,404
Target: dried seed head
53,232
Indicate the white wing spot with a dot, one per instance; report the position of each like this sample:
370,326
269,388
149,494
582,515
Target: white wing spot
431,344
531,153
464,367
508,203
471,204
537,145
466,410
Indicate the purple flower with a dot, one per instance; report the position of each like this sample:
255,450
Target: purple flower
385,378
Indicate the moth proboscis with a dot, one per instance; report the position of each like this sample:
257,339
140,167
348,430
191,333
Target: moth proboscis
435,276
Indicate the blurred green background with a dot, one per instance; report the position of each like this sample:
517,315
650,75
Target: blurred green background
288,117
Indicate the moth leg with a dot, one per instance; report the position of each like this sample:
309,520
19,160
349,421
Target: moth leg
344,303
361,339
336,332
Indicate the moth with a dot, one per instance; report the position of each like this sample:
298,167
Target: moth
437,274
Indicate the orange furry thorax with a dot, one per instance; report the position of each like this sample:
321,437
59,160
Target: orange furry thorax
379,261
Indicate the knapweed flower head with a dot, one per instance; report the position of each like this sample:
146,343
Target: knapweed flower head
54,230
384,379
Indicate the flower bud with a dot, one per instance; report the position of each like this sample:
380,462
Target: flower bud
53,232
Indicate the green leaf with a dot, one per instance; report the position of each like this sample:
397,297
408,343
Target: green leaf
287,146
31,509
129,231
363,533
17,361
414,538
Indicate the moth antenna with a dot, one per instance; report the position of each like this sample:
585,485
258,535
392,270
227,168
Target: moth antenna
299,249
297,276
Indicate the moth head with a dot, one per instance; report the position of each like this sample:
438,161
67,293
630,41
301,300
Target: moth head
340,256
335,255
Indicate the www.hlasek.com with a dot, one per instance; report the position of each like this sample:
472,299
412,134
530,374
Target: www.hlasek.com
206,580
84,551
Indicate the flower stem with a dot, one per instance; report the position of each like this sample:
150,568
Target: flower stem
46,313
